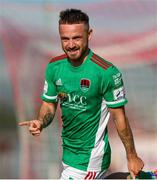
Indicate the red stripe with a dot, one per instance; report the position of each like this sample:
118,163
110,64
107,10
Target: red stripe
63,56
87,175
97,58
94,175
98,63
91,176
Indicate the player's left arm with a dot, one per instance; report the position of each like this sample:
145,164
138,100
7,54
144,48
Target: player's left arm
135,164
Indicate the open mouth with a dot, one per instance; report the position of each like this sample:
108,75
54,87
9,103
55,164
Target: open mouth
73,52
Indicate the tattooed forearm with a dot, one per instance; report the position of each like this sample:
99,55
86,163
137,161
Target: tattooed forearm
47,119
46,114
127,139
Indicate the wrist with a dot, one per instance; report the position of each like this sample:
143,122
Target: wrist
131,155
41,124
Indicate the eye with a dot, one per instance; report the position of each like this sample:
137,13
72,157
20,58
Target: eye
65,39
77,38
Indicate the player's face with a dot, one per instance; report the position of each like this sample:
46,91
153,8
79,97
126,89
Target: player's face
74,39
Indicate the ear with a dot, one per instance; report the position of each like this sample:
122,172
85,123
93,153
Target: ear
90,33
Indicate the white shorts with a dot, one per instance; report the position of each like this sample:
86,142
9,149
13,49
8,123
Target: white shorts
70,173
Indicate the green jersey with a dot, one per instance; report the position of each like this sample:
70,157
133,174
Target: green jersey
85,93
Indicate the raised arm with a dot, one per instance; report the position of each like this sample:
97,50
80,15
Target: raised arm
45,117
135,164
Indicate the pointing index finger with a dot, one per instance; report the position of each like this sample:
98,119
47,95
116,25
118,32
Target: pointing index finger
24,123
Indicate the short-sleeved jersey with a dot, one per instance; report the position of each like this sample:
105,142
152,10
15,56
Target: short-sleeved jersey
85,93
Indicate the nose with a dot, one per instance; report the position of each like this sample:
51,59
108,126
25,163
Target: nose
71,44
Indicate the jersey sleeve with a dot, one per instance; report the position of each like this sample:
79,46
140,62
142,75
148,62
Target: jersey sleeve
49,91
113,90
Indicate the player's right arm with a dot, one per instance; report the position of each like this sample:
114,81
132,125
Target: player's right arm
48,107
45,117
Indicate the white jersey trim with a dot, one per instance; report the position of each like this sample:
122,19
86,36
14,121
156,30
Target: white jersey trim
50,97
97,153
115,102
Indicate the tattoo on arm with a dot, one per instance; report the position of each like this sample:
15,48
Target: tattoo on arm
47,119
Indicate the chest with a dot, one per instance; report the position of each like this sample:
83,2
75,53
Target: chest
84,83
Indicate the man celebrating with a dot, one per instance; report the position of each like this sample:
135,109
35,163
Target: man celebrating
88,89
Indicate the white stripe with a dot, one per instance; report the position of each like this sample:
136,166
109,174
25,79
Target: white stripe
115,102
97,153
50,97
140,44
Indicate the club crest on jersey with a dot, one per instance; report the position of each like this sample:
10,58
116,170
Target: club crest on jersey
85,84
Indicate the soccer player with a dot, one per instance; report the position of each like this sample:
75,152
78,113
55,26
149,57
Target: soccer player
88,89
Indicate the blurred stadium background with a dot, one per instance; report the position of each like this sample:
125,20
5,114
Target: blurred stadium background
125,32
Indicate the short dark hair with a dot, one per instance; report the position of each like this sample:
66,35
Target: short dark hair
73,16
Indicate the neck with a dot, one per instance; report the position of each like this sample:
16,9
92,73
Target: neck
78,62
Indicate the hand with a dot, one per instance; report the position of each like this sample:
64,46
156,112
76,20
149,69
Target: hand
135,165
34,126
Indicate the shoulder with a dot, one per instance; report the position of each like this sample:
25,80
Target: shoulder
103,64
55,63
59,58
100,62
108,69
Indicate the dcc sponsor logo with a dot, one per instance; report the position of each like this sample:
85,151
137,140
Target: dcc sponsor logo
73,101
